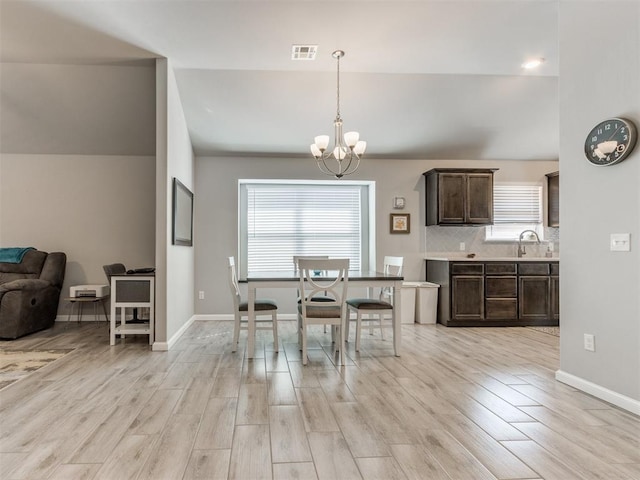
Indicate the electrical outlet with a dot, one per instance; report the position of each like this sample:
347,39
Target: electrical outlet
589,342
201,294
462,247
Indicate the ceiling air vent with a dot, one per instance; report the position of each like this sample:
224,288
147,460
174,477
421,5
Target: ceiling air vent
303,52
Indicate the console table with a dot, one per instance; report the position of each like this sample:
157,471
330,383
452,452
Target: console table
132,291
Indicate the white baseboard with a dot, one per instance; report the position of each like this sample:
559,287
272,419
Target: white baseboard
622,401
165,346
229,316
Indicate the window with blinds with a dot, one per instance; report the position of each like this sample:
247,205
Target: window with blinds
281,219
515,208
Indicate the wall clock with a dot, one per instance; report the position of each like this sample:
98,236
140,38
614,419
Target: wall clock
610,142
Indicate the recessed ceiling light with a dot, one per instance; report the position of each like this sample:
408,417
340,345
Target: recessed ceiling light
303,52
533,63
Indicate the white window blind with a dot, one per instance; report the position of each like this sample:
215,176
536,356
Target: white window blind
515,208
280,220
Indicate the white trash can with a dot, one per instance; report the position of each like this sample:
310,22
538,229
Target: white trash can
408,299
426,302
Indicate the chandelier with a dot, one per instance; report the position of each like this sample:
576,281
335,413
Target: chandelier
344,158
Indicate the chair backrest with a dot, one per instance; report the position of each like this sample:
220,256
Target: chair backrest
296,258
233,283
392,266
114,269
332,282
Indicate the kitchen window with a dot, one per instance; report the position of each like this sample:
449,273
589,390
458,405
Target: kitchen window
516,207
283,218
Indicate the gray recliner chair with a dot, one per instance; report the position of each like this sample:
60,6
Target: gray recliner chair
30,293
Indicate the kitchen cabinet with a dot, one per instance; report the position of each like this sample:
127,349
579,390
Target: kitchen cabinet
496,293
501,291
553,199
535,295
467,284
462,196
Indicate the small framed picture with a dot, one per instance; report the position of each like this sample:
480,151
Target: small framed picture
398,203
400,223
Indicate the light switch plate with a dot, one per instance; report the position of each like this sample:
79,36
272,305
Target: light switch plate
620,242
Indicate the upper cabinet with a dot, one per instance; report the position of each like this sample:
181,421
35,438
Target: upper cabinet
553,199
459,196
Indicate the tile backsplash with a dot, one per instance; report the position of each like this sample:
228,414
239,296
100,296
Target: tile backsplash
447,239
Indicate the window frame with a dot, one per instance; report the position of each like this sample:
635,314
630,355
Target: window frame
515,228
367,215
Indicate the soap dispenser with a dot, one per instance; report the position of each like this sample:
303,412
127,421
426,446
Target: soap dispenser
549,252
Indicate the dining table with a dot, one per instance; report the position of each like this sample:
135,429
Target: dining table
291,279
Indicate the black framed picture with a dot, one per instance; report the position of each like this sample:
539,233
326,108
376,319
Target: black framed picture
182,214
400,223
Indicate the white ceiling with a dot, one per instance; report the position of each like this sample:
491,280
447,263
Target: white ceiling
422,79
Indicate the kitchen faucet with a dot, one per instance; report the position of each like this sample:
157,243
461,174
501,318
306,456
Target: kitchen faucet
521,248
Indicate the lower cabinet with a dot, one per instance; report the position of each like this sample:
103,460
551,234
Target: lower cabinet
534,298
496,293
468,297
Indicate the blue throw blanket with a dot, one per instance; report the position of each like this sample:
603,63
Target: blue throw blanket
13,254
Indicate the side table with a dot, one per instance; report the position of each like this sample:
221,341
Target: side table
81,301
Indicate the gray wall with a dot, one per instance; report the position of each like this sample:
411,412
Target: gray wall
79,173
96,209
77,109
174,263
217,212
600,78
77,165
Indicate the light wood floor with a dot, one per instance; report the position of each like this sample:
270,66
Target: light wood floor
461,403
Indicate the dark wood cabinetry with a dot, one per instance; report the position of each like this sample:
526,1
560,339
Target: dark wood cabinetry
467,290
534,298
553,199
459,196
496,293
501,285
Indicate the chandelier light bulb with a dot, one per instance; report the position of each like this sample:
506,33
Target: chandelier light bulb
315,151
344,157
322,142
351,138
340,153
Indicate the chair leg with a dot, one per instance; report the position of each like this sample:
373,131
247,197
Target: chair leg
341,339
358,330
304,343
236,333
380,318
274,320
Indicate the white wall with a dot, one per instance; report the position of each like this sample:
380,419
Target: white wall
174,263
599,289
217,212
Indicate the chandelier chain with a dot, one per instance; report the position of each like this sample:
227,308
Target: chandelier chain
338,92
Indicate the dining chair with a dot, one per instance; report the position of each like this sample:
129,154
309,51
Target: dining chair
375,309
332,283
320,298
262,307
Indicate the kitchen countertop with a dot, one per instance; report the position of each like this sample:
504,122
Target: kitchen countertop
478,258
